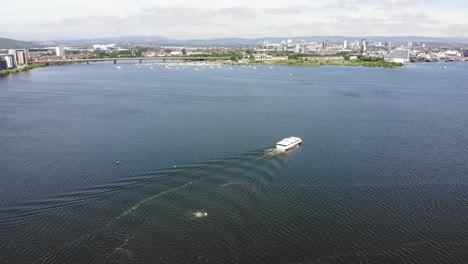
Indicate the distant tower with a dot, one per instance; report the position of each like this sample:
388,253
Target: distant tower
363,45
356,46
21,57
297,48
345,44
325,44
60,51
410,44
424,45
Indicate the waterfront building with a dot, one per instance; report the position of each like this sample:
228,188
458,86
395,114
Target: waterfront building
21,57
398,56
465,53
12,53
9,61
266,57
324,58
60,51
3,64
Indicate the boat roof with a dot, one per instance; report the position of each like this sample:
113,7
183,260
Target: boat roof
289,140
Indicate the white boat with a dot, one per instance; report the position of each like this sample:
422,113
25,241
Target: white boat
288,143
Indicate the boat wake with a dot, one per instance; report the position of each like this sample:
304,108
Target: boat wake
115,213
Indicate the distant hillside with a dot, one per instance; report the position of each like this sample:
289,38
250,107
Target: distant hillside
6,43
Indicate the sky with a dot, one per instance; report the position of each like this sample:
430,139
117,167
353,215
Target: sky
184,19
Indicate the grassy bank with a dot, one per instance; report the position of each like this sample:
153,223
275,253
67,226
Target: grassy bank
25,68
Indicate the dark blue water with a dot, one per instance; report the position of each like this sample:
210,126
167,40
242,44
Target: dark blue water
381,177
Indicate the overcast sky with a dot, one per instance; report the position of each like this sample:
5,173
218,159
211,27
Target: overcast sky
182,19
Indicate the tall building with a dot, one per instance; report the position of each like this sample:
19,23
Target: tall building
297,48
363,45
410,44
356,46
325,44
345,44
3,64
9,61
12,53
21,57
60,51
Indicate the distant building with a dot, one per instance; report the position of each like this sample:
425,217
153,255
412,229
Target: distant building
410,44
107,47
266,57
398,56
363,45
324,44
9,61
21,57
345,44
39,50
452,53
3,64
149,54
12,53
60,51
324,58
297,48
356,46
465,53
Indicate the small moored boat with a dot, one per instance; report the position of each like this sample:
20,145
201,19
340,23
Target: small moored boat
288,143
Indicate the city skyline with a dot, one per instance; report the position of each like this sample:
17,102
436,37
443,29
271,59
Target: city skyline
52,19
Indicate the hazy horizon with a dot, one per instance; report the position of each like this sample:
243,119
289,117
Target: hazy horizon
53,19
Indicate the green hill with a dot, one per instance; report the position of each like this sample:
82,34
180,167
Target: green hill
16,44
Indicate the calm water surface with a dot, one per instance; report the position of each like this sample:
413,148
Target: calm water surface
382,175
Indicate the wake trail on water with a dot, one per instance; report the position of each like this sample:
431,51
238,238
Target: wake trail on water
135,195
78,196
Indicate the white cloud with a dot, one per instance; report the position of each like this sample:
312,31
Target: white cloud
52,19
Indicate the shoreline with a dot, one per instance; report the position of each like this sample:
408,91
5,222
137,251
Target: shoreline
285,63
23,69
347,63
